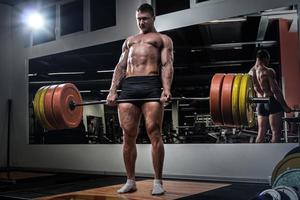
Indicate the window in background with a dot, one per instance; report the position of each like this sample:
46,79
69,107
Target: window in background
168,6
103,14
71,17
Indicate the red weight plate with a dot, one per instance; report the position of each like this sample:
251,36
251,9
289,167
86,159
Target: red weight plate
226,99
48,107
64,115
215,98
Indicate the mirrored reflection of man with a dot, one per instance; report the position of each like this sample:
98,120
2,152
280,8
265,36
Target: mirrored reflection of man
265,85
145,66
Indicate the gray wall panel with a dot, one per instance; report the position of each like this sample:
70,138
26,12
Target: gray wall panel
5,75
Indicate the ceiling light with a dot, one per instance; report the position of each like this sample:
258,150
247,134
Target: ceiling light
85,91
31,75
105,71
65,73
109,91
34,20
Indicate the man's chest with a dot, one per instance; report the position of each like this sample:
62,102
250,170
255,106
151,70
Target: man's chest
153,40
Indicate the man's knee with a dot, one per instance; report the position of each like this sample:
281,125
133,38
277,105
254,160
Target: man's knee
128,127
128,130
129,135
129,142
153,128
154,133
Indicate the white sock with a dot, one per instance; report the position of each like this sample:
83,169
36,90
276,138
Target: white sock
157,187
130,186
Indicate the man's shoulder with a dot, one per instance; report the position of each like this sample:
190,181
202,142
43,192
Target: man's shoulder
252,70
131,37
271,71
166,39
164,36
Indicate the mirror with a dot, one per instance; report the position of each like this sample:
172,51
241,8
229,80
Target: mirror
220,46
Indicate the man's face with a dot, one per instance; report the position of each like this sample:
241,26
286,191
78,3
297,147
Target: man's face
145,21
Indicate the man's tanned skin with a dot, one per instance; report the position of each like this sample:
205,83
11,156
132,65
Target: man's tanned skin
147,54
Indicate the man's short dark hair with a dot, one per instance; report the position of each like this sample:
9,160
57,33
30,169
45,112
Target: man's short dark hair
146,8
263,54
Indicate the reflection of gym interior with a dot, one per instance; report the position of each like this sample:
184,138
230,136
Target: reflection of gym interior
72,148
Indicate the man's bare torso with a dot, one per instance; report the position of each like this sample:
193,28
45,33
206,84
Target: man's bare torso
263,75
144,54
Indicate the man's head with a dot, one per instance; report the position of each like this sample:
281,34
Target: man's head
145,18
263,56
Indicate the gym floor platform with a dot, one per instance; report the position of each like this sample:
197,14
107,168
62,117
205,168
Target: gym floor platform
65,186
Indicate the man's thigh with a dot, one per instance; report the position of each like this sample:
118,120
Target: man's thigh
263,122
153,113
129,117
275,121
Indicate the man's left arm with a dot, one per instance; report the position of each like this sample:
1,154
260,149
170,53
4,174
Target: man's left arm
256,85
167,58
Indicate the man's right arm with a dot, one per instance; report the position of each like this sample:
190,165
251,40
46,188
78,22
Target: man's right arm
118,75
276,91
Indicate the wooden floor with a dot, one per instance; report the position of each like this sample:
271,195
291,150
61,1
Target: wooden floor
18,175
174,190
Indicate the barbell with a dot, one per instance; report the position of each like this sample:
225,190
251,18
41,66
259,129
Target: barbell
231,95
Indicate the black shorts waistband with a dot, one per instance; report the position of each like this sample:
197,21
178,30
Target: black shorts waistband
142,79
138,82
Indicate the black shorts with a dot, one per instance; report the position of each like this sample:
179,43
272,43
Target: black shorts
140,87
265,109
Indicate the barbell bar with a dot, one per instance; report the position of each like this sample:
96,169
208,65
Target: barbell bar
60,106
73,105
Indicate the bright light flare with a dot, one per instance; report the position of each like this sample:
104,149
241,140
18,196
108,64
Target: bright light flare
35,20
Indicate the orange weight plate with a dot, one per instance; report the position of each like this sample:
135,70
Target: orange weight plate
64,115
226,99
215,98
48,107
